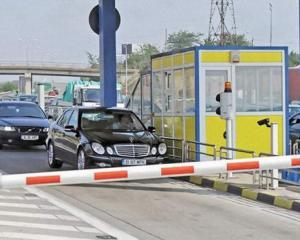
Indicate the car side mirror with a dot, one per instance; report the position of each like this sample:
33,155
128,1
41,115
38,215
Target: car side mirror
50,117
70,128
151,129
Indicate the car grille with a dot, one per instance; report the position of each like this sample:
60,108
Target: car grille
29,130
132,150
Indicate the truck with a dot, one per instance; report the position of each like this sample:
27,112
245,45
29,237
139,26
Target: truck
87,93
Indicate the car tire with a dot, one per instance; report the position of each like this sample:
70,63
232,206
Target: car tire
52,162
82,162
1,146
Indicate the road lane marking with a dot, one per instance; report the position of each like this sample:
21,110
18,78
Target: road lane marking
67,217
84,216
11,197
39,225
28,214
49,207
18,205
88,229
28,236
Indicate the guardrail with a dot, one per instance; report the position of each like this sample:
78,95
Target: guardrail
187,151
175,149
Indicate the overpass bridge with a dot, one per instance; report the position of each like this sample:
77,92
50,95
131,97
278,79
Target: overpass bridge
27,71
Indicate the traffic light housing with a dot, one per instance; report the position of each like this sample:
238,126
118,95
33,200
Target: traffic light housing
225,100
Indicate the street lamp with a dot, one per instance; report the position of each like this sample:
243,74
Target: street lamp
126,49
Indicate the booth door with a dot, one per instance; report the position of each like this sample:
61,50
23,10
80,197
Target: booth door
212,127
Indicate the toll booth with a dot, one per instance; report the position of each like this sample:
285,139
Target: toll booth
184,85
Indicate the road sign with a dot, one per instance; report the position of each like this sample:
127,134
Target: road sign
94,19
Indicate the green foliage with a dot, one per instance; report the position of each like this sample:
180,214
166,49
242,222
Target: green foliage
7,87
183,39
141,58
294,59
230,40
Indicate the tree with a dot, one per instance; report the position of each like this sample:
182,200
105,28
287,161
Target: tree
230,40
7,87
294,59
141,58
183,39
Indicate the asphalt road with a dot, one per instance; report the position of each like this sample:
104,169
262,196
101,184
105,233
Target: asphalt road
163,209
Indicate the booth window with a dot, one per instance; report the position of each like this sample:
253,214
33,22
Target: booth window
178,88
189,82
169,92
157,93
215,80
259,89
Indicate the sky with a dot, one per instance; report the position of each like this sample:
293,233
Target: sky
58,30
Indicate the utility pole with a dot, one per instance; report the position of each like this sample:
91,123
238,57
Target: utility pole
271,22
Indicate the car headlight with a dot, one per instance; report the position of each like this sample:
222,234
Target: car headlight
153,150
98,148
46,130
162,148
109,151
7,128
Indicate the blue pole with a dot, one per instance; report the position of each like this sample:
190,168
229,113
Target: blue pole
108,76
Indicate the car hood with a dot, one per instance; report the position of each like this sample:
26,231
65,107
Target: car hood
110,138
24,122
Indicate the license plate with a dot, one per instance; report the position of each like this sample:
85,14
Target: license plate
130,162
29,137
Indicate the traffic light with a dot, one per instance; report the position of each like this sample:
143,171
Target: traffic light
225,100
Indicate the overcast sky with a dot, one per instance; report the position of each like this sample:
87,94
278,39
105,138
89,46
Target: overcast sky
58,30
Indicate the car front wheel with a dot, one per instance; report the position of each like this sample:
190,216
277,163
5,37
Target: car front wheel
52,162
81,160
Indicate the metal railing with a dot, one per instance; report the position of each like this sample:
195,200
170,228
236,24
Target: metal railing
175,151
196,151
184,151
237,150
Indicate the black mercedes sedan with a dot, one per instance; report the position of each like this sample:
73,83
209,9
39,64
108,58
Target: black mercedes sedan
102,137
22,123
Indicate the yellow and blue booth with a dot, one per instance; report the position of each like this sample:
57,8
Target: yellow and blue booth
185,83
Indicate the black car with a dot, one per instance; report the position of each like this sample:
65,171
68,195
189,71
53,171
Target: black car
22,123
294,122
102,137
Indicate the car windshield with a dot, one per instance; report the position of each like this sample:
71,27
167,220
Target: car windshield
28,98
91,95
21,110
110,120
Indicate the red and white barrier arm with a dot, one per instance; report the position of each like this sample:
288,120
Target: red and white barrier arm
149,172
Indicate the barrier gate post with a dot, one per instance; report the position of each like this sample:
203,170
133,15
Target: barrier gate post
274,150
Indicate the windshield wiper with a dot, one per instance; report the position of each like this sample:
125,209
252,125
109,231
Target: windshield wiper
31,116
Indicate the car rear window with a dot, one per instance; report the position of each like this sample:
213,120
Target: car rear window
20,110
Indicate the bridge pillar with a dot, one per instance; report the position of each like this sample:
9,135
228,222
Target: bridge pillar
25,83
108,77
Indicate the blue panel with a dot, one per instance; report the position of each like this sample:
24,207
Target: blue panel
287,99
108,76
197,101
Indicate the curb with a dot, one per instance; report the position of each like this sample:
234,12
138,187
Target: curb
278,201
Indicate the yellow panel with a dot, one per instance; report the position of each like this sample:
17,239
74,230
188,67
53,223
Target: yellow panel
168,126
189,58
178,60
156,64
252,57
167,62
256,138
157,125
215,127
245,57
215,57
190,131
178,127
